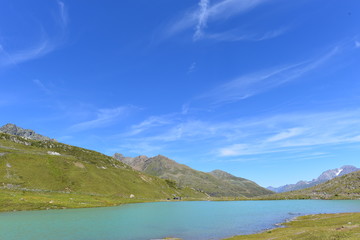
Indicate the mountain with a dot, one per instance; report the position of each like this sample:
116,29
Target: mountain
47,174
215,184
343,187
25,133
242,183
346,186
325,176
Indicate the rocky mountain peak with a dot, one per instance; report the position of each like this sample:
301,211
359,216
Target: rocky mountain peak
221,174
337,172
25,133
135,162
119,156
325,176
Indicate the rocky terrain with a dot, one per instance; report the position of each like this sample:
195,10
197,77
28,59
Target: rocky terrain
25,133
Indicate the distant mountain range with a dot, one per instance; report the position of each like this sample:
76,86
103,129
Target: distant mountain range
343,187
325,176
216,183
346,186
25,133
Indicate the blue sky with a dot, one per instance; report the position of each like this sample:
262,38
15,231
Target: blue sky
265,89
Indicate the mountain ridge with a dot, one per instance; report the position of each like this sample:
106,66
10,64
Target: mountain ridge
323,177
12,129
344,187
216,183
46,174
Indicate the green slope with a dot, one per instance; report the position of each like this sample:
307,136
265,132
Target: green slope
210,183
313,227
250,188
54,170
344,187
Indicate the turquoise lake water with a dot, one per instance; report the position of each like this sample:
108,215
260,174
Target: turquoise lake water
187,220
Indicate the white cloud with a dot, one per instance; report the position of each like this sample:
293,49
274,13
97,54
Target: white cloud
249,85
228,8
185,109
222,10
151,122
104,117
301,132
43,88
202,19
234,150
37,50
329,128
140,148
288,133
237,35
64,17
192,67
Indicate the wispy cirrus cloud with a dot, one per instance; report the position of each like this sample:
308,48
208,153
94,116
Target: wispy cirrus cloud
238,35
151,122
36,51
223,10
63,13
202,19
357,44
42,87
287,132
44,46
103,118
249,85
192,68
282,133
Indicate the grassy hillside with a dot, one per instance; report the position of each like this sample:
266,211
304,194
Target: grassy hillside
313,227
250,187
211,184
50,170
344,187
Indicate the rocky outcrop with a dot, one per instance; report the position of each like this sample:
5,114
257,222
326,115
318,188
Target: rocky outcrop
25,133
137,163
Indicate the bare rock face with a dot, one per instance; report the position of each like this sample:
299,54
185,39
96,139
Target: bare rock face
118,156
137,163
25,133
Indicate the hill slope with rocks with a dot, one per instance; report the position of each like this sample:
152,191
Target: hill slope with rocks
47,174
12,129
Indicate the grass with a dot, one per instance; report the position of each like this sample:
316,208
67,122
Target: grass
313,227
214,185
31,178
12,200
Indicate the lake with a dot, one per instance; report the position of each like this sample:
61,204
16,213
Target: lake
187,220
